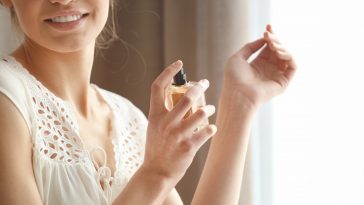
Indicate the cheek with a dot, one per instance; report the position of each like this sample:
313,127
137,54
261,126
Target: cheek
104,11
27,18
101,15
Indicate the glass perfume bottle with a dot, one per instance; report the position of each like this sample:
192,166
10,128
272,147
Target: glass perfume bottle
176,91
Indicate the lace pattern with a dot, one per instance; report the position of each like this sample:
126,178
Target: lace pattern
56,130
56,134
131,155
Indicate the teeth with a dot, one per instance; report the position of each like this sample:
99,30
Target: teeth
64,19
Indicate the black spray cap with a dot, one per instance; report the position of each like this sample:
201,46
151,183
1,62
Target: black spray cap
180,78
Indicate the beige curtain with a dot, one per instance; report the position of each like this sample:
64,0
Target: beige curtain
202,33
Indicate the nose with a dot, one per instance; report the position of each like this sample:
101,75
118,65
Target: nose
64,2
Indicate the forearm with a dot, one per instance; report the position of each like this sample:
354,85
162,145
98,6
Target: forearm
145,188
221,178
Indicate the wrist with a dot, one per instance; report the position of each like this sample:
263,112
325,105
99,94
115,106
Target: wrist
234,100
247,95
160,179
145,187
234,118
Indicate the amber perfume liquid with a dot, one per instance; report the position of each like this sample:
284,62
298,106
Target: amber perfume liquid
176,91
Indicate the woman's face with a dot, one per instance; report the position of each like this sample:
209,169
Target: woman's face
61,25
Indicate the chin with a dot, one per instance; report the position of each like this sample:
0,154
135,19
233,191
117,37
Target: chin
68,46
64,44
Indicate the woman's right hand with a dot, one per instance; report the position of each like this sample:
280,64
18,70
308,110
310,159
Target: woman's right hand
171,140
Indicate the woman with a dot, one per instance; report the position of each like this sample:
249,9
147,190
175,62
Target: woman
64,140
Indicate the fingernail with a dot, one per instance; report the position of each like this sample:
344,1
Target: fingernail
214,129
210,108
204,83
177,63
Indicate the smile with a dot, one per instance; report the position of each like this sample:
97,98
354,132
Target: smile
66,19
63,19
67,22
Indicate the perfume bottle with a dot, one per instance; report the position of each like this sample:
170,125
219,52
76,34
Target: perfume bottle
176,91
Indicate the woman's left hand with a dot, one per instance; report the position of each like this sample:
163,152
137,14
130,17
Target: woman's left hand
266,76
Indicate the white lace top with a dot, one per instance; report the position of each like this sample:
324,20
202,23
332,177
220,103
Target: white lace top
64,170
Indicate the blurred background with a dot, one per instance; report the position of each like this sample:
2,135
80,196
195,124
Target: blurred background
307,146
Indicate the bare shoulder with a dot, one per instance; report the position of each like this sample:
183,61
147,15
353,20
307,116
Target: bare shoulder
16,176
11,124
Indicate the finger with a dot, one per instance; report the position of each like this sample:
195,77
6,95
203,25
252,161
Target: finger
200,137
268,55
291,69
250,48
159,85
277,47
269,28
274,47
269,37
283,55
197,118
282,65
186,102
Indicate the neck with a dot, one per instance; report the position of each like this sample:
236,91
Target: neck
67,75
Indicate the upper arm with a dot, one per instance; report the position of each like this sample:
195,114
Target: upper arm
173,198
17,182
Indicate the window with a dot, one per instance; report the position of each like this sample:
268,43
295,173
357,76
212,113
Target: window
318,124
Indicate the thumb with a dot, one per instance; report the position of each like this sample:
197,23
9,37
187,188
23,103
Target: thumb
250,48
